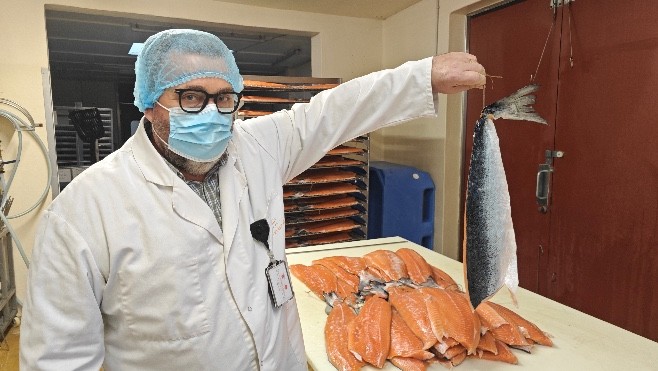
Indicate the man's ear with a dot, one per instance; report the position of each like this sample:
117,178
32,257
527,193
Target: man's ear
148,113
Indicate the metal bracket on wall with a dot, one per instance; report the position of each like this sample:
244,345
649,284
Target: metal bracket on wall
558,3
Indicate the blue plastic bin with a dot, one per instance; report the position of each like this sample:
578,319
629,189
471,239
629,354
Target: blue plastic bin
401,203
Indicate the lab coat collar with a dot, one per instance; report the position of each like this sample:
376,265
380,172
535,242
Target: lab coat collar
150,163
232,186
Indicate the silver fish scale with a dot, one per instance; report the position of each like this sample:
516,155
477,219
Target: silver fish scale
490,241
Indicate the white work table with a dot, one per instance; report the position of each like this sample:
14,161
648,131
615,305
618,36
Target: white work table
582,342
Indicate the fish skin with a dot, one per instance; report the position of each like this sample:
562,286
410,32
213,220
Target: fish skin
490,245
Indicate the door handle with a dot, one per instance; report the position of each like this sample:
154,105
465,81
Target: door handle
543,187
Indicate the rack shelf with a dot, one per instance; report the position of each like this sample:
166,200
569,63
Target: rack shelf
329,202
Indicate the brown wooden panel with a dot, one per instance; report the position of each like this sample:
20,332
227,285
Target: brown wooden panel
604,255
508,41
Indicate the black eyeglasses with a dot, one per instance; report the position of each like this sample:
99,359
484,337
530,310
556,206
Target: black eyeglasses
194,101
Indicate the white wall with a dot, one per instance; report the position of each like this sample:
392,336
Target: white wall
411,34
432,145
344,47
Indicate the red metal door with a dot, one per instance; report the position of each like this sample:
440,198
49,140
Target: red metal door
509,41
600,236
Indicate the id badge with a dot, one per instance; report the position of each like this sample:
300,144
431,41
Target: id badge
279,283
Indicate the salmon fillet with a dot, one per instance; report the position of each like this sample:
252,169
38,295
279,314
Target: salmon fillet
404,343
503,354
335,332
317,278
408,364
342,275
369,336
500,326
443,279
386,265
527,328
488,343
451,316
411,306
350,264
417,267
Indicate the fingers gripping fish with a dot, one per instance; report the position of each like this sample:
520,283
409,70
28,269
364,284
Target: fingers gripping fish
490,245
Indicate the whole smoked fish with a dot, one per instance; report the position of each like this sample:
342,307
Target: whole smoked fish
490,251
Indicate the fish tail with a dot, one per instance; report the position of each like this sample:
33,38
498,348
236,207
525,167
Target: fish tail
517,106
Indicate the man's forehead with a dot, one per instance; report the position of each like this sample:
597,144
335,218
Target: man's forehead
208,84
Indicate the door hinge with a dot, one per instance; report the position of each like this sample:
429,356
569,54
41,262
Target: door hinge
558,3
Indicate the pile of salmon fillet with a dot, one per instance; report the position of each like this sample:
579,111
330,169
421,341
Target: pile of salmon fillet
395,306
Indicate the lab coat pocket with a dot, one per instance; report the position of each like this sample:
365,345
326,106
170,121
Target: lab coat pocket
164,301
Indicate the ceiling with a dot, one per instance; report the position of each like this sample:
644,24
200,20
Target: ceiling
95,46
375,9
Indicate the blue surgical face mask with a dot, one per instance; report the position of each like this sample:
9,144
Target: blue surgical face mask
200,137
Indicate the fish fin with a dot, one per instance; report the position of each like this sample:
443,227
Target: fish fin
517,106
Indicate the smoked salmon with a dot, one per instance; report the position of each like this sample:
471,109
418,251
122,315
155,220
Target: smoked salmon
386,265
502,354
418,269
411,305
490,245
451,316
369,334
527,328
500,326
404,343
408,364
317,278
413,322
335,332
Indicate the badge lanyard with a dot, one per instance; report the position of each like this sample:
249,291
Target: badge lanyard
276,272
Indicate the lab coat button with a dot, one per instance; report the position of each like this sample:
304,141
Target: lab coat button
249,309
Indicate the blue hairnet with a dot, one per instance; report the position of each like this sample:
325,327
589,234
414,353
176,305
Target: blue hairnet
174,57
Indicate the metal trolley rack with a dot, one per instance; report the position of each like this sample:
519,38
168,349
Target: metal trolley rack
327,203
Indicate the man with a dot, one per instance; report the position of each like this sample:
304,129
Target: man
147,260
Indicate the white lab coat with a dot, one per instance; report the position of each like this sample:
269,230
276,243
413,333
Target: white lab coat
131,271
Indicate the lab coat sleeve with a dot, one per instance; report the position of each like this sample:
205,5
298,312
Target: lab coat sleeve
62,327
306,132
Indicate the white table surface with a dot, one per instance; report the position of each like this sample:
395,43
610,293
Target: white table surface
581,342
